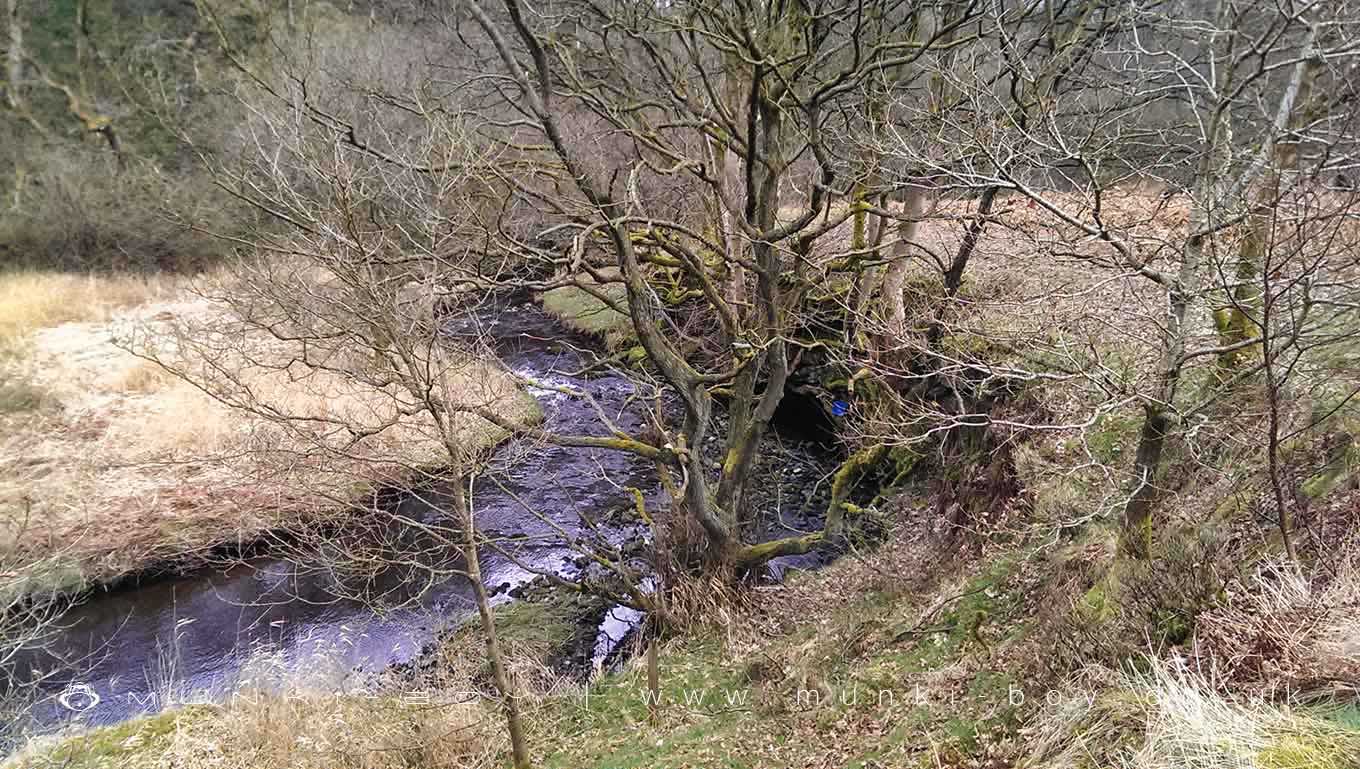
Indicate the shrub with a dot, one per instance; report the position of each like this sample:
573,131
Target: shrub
20,395
83,212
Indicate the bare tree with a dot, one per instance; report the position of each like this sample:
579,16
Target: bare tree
1183,76
326,334
804,68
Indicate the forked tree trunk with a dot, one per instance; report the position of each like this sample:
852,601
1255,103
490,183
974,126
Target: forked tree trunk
751,412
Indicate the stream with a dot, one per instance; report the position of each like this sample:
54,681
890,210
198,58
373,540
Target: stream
273,623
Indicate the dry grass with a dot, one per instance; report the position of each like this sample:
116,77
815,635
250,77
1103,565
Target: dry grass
119,465
1192,725
1175,717
297,731
32,300
1282,634
324,732
1263,686
145,377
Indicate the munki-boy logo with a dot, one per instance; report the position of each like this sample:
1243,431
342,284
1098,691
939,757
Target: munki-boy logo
78,698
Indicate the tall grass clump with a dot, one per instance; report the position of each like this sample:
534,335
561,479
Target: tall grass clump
1171,715
31,299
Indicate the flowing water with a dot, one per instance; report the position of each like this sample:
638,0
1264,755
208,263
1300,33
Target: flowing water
276,622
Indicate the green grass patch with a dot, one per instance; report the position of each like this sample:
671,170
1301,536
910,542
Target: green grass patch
1315,744
584,312
704,700
137,742
546,622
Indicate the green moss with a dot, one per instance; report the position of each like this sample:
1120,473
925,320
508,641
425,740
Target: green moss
1316,749
905,460
136,742
552,622
1095,603
1172,624
1340,468
845,479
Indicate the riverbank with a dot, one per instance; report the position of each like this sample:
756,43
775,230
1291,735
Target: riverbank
908,659
112,468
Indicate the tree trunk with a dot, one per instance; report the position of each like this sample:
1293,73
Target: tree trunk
953,276
653,676
908,229
1209,196
1159,408
731,190
1137,535
1273,387
14,56
1237,324
751,412
500,677
80,30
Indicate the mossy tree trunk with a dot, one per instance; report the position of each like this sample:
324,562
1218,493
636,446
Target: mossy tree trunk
1241,321
751,411
1211,196
843,482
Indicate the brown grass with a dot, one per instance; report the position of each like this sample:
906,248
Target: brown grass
31,300
115,465
296,731
145,377
360,732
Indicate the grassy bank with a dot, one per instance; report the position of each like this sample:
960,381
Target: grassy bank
855,666
110,465
581,310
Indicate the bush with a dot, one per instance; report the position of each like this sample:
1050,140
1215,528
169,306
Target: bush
20,396
83,212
